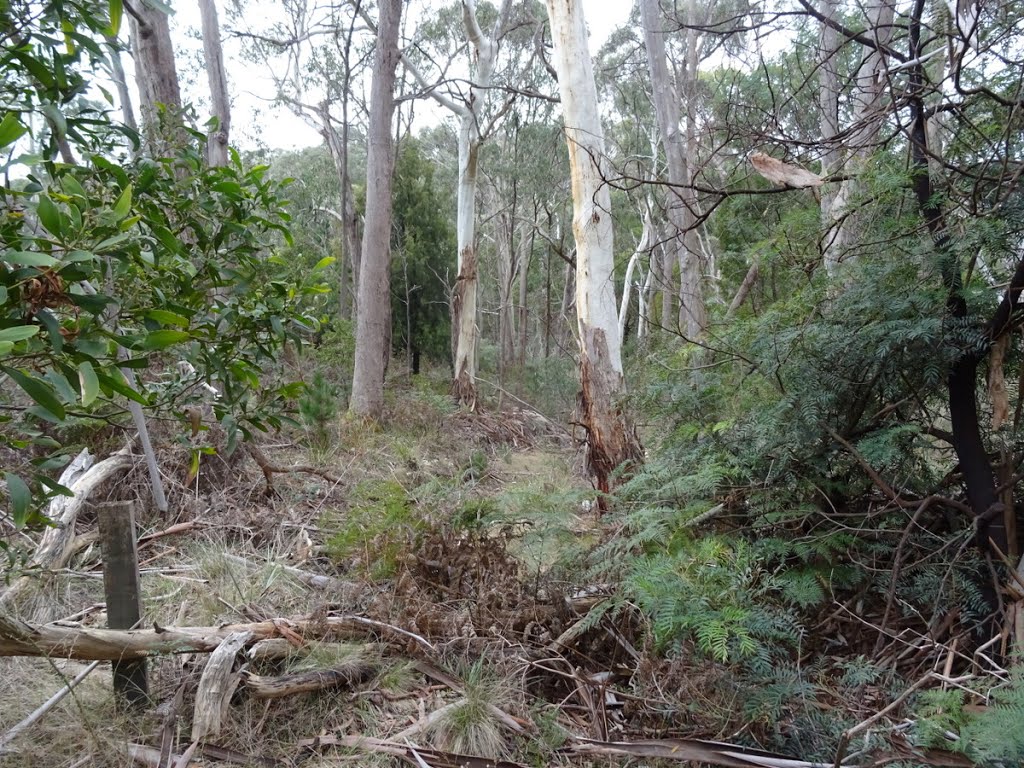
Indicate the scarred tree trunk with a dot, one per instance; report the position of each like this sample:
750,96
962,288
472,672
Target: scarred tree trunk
611,439
465,332
217,146
157,78
374,318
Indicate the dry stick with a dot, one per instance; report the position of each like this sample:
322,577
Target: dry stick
865,724
351,673
45,707
270,469
349,589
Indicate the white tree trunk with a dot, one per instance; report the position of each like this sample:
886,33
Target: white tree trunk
644,246
862,136
611,440
374,319
217,148
678,146
465,331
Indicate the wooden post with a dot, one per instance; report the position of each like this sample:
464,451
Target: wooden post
124,596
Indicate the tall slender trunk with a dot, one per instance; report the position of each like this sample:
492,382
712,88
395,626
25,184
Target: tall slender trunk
861,138
157,78
217,148
374,318
611,440
523,309
828,107
120,82
678,146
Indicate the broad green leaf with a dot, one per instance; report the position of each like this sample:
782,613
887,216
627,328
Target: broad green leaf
229,188
28,259
164,317
20,496
77,256
88,382
6,347
19,333
124,203
38,390
326,261
49,216
73,187
114,382
163,339
11,130
110,242
46,317
116,11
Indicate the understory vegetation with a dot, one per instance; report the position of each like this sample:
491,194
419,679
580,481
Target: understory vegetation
814,559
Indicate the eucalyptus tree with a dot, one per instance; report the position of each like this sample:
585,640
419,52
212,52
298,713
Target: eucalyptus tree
469,101
157,76
611,439
217,144
373,322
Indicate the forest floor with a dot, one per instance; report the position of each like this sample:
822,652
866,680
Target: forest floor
452,541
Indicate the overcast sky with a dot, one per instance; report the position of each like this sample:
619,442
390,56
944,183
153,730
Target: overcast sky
255,119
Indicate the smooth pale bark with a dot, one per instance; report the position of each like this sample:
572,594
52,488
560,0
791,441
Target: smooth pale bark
644,246
465,331
217,146
352,234
157,78
373,322
464,296
861,138
117,75
828,105
611,439
678,146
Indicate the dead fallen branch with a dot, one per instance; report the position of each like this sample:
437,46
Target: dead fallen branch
413,755
217,684
18,638
270,469
56,546
687,750
346,674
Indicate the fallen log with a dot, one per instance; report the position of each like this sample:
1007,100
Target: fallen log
18,638
348,673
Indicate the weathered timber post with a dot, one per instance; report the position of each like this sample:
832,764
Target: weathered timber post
123,593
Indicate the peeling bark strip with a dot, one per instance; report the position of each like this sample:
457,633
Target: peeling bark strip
611,439
464,330
348,673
